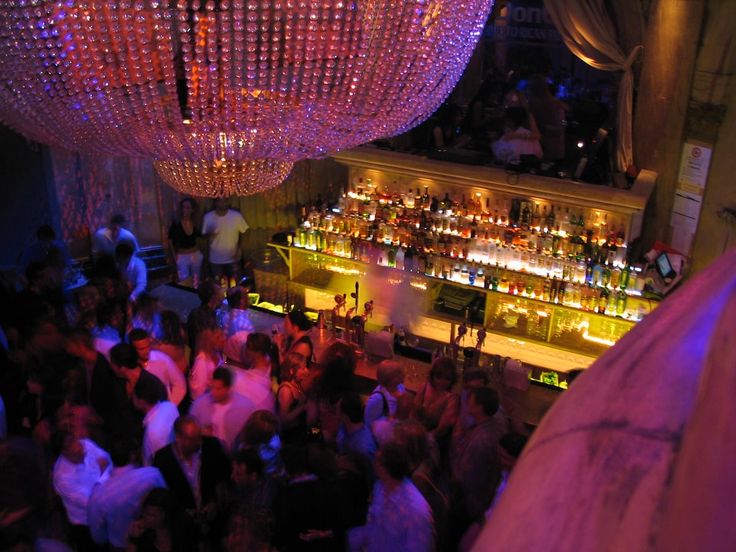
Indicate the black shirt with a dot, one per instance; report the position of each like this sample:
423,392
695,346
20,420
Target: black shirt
180,238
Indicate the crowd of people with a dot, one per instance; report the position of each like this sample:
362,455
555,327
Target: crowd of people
509,123
536,122
158,433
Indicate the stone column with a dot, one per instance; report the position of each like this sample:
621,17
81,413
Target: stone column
670,50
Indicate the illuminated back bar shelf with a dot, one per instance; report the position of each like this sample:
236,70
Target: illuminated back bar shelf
541,334
544,334
391,169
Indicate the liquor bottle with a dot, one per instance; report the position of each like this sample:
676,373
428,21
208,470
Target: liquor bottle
434,205
602,300
399,258
547,290
536,219
625,276
408,199
554,289
421,266
561,293
590,273
585,295
612,300
620,302
488,280
615,278
564,221
549,220
514,213
429,268
446,203
504,217
606,276
425,198
409,259
525,219
455,276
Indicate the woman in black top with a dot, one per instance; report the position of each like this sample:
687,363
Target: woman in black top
184,237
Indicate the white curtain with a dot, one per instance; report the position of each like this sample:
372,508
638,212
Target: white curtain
589,33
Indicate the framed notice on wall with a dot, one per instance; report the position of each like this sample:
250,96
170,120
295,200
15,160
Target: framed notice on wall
691,181
694,166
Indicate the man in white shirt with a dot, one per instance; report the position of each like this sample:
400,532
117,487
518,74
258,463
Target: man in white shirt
107,238
255,382
80,466
221,411
159,364
223,228
132,269
158,423
116,502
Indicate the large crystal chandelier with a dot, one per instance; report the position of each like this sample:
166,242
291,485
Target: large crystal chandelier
225,96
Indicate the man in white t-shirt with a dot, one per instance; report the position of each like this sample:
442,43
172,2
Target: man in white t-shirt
223,228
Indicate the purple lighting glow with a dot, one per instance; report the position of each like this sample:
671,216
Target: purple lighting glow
241,84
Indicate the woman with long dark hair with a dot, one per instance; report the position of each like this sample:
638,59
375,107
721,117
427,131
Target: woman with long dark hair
184,235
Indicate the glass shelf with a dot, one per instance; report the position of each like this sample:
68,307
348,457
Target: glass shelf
309,260
543,335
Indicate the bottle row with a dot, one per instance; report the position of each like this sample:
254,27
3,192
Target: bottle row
365,201
602,266
579,287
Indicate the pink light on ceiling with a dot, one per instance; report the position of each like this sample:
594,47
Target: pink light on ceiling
225,96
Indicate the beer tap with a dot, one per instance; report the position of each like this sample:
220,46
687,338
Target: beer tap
481,335
355,295
339,305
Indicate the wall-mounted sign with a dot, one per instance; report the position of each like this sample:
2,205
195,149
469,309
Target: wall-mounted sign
523,21
694,166
691,181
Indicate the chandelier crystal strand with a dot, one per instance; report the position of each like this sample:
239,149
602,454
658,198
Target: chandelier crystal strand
225,95
223,179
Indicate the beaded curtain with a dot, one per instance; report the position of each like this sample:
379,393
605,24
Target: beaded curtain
91,189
